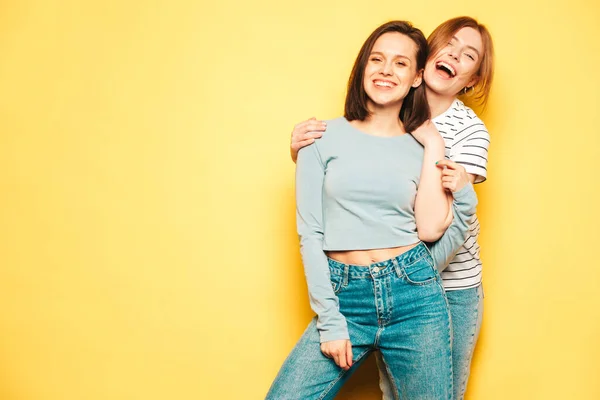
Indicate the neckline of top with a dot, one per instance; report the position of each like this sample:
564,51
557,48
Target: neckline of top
355,129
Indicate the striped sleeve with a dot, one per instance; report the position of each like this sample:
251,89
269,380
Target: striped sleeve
470,148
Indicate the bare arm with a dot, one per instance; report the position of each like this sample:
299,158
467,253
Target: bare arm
433,211
305,134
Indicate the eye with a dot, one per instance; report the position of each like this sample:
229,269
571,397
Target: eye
375,59
470,56
402,63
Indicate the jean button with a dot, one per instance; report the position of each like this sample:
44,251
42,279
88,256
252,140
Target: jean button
376,269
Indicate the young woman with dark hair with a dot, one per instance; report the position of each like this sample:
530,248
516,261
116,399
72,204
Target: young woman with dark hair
372,282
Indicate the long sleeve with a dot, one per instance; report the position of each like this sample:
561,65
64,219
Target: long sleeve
464,207
310,175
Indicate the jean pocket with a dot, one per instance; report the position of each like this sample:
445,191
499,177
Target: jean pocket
421,272
337,282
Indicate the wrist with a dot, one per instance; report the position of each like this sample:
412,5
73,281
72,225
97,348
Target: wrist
465,191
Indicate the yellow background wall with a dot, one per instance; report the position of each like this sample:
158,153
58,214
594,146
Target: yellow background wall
147,239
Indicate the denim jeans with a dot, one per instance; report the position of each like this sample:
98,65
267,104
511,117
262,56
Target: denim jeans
466,309
396,306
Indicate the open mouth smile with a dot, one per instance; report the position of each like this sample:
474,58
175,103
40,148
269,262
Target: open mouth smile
446,68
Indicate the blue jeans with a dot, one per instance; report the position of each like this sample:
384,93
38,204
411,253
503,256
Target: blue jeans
466,309
396,306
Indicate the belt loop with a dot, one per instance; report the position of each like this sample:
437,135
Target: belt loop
397,267
427,249
346,273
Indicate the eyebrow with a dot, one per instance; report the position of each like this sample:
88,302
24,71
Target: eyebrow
395,55
470,47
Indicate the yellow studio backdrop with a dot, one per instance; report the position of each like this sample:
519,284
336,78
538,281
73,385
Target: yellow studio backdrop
147,243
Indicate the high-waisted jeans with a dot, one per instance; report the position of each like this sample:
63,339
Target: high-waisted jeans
395,306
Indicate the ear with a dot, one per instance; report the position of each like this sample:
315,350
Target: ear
473,81
418,79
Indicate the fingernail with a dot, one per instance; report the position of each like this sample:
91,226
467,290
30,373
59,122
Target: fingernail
436,163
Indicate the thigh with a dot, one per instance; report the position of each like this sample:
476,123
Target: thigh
308,374
416,346
466,309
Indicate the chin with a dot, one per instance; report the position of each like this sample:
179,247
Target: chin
439,87
380,103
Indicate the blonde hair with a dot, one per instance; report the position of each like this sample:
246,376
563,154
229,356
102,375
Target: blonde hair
442,35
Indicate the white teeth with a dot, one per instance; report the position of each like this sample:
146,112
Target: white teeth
382,83
449,67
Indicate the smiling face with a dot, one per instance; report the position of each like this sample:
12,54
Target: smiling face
391,71
456,65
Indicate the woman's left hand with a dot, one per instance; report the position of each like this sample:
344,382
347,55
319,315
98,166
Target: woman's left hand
340,351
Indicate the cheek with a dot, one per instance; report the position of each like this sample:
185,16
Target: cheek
429,73
366,81
408,76
370,69
465,78
429,68
471,71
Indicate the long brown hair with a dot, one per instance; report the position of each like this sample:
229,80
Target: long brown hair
442,35
415,109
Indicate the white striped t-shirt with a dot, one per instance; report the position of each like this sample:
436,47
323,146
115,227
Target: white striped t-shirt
467,141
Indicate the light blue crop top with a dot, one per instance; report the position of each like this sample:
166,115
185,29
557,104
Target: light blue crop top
356,191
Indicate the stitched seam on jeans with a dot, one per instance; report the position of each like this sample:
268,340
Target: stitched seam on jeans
340,375
423,283
450,340
463,384
391,378
377,336
376,302
337,287
389,304
414,261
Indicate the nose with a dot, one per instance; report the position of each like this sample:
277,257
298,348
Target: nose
453,53
387,68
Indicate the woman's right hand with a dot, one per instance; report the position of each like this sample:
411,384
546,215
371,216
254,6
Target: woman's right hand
340,351
304,134
428,134
454,176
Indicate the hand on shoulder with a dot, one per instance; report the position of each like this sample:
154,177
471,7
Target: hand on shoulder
427,134
305,134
